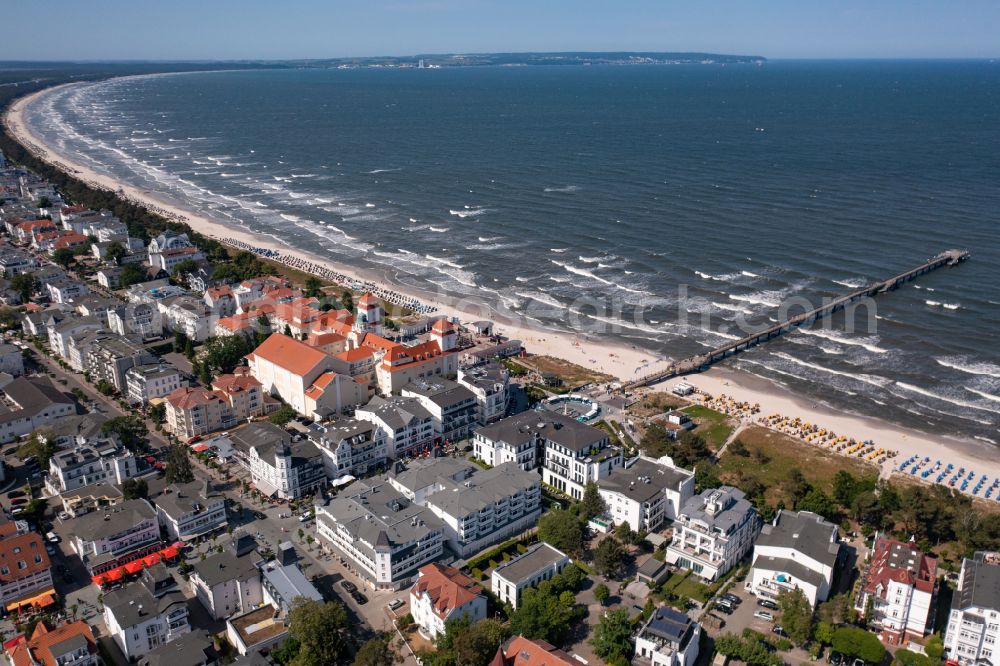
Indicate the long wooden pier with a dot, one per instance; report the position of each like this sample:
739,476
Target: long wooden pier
702,361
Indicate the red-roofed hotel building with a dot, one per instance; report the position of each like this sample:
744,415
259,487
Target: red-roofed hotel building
898,591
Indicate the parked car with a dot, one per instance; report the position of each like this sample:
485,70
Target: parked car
732,598
306,517
360,598
723,603
395,603
834,658
724,609
52,537
767,603
779,631
763,615
349,586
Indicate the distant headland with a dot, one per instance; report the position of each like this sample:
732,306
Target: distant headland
439,60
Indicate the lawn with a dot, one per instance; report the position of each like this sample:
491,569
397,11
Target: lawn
714,426
571,374
772,457
654,404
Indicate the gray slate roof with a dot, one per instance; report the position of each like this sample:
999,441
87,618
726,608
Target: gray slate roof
182,498
558,428
979,585
397,412
524,566
226,566
442,392
734,508
134,603
113,520
483,488
631,481
805,532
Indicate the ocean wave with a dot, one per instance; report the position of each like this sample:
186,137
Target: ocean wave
564,189
969,367
731,307
384,170
874,380
468,212
521,278
483,239
438,230
590,260
749,274
943,398
851,283
288,218
558,250
758,298
541,298
868,344
984,394
581,271
446,262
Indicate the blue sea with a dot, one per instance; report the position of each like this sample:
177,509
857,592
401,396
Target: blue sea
659,205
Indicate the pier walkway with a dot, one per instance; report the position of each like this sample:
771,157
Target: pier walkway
701,361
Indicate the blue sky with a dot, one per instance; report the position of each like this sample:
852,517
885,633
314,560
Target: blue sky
275,29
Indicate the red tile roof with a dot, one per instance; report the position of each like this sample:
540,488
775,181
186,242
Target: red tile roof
355,355
37,649
187,397
296,357
316,390
368,299
447,587
401,357
904,563
378,343
323,339
28,548
235,383
525,652
442,326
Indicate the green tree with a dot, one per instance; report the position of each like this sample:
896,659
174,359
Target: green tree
610,558
592,503
182,268
612,635
856,642
541,615
25,284
64,257
282,416
135,489
115,251
796,615
563,530
130,430
823,632
131,274
41,445
225,353
819,503
601,593
478,645
9,318
934,648
347,299
706,476
796,486
286,651
179,468
313,287
321,630
158,413
377,652
104,387
44,202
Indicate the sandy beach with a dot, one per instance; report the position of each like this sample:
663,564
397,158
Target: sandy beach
969,454
617,360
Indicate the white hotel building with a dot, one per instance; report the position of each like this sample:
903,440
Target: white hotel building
713,532
973,631
798,551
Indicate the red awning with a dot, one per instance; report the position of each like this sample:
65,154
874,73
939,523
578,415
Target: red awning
98,580
151,559
115,574
133,567
169,552
179,545
198,448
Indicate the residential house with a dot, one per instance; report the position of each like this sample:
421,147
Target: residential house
66,291
452,406
798,551
151,381
646,492
898,591
108,538
668,638
401,365
384,535
25,569
278,466
541,562
283,583
349,446
576,454
521,651
70,644
489,382
11,360
442,594
140,622
478,507
713,532
188,511
408,426
229,582
109,356
30,404
973,629
100,460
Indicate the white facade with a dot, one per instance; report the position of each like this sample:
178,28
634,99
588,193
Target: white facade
713,532
570,469
430,614
226,586
151,382
140,623
489,382
797,551
898,591
540,562
668,638
973,630
187,511
646,492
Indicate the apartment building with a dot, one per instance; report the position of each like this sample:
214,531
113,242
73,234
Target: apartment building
973,629
278,466
541,562
898,591
798,551
442,594
646,492
668,638
713,532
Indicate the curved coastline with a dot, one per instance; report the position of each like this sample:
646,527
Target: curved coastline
617,360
